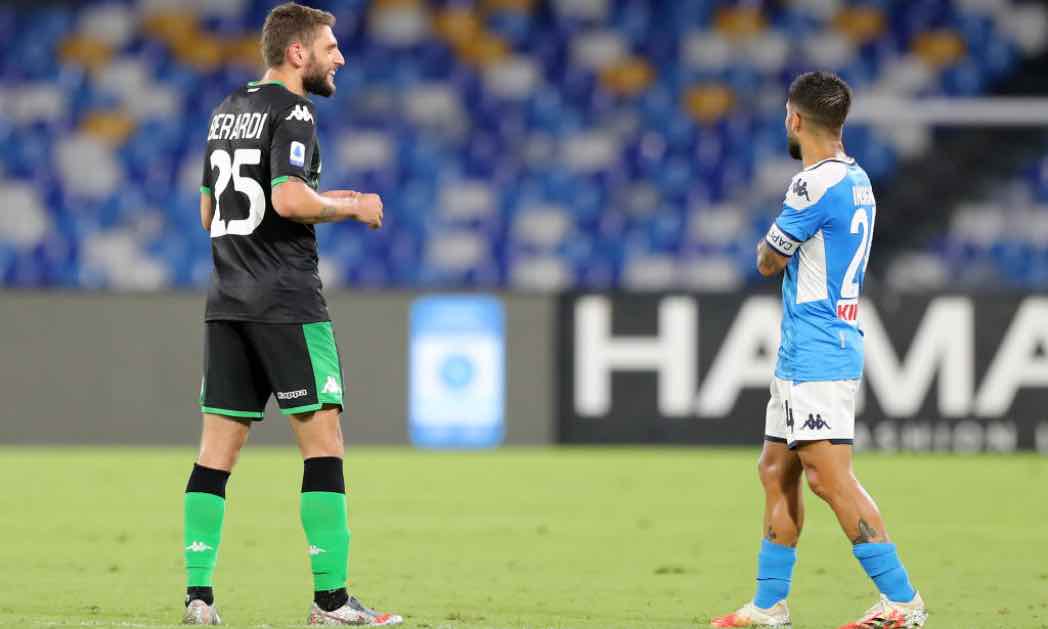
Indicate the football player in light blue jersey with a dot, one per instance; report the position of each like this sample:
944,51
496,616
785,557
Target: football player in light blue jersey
822,241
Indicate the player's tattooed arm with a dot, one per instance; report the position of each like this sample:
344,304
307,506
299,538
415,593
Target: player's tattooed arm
769,262
327,215
296,201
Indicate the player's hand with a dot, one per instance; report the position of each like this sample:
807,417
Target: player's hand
370,211
368,208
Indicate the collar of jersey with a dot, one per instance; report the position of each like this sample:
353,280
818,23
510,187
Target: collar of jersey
847,160
261,83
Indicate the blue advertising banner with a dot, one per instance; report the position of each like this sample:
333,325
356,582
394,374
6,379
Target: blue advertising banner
457,372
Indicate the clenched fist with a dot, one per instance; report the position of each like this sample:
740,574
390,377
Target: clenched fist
368,208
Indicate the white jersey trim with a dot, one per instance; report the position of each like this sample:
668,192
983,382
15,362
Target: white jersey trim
811,270
850,161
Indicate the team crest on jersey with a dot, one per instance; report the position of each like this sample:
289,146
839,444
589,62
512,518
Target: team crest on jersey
298,154
301,113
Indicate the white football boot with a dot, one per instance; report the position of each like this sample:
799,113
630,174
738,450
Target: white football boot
776,617
887,614
352,613
200,613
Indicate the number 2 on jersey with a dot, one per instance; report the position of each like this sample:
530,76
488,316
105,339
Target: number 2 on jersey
860,223
229,169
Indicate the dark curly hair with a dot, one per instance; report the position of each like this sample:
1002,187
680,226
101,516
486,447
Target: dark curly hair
822,97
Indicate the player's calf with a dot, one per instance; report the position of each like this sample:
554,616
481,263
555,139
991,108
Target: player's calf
204,506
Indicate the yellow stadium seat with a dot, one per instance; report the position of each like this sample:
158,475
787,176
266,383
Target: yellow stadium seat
203,52
940,48
112,127
860,24
171,28
628,77
708,103
93,54
457,26
244,51
739,22
482,50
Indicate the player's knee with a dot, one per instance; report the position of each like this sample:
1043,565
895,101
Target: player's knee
770,473
220,454
218,458
817,483
323,445
823,483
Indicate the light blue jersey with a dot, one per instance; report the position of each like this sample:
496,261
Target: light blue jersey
826,228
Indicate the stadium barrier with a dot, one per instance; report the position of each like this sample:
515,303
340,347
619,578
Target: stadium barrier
943,372
85,368
955,373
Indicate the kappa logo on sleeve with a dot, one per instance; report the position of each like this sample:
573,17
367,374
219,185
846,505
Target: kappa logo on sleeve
301,113
298,154
800,189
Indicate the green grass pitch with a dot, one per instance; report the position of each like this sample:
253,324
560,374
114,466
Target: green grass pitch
536,538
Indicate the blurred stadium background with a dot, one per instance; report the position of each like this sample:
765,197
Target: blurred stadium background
528,145
589,177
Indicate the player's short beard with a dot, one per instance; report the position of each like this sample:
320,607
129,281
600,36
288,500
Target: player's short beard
315,80
794,146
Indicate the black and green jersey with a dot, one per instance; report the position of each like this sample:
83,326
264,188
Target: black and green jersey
265,265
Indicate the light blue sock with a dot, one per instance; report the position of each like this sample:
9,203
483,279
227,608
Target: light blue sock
774,571
881,563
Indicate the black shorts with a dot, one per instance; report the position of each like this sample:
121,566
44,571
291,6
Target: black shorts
244,363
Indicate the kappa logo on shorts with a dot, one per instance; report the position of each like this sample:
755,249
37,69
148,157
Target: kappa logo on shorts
331,386
315,550
198,547
291,395
815,423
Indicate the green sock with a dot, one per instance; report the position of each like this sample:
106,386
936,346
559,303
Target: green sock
324,519
203,532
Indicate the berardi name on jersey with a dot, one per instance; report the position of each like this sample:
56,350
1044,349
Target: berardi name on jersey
245,126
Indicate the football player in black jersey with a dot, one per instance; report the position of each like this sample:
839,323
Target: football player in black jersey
267,329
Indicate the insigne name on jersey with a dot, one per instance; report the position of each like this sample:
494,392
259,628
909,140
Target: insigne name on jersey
300,113
247,126
863,195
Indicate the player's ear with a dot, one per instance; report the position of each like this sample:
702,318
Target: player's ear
295,54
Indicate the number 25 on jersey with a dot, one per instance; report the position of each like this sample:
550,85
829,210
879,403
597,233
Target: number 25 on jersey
229,170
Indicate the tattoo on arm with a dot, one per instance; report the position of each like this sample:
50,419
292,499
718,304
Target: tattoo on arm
867,533
327,214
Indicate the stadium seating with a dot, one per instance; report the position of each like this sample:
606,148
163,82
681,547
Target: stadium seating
999,241
517,143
